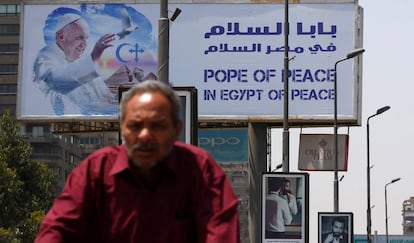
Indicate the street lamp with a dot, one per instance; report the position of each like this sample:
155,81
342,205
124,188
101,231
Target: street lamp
350,55
286,92
277,167
386,210
379,111
164,40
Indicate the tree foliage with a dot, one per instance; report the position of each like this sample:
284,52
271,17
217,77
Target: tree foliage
26,188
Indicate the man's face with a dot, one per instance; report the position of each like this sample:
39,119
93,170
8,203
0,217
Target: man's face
285,187
73,39
337,229
148,130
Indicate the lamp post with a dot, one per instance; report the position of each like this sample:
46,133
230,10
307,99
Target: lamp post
277,167
386,210
164,40
379,111
350,55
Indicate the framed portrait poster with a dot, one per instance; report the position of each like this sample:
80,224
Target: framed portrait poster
335,227
188,113
285,207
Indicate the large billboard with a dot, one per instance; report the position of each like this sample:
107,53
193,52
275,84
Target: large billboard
232,53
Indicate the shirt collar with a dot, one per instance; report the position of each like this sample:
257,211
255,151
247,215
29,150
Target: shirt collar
122,161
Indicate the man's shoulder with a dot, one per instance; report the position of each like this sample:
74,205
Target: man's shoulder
275,197
186,149
112,150
188,154
105,157
325,235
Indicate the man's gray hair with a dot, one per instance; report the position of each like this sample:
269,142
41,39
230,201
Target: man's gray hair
151,86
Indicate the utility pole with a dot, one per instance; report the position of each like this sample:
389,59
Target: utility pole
286,93
163,42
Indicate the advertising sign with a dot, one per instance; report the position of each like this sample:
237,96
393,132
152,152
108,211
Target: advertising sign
233,54
335,227
76,56
285,207
237,55
316,152
225,144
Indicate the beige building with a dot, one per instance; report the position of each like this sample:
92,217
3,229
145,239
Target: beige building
408,217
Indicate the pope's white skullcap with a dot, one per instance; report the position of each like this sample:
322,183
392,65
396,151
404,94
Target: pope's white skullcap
66,19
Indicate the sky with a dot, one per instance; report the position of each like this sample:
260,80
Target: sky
388,39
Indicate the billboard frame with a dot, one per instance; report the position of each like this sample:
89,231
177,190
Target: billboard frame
325,220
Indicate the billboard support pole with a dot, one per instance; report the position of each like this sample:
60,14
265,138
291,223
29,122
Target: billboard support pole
257,164
286,93
163,42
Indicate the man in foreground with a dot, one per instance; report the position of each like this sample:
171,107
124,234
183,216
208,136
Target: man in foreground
150,189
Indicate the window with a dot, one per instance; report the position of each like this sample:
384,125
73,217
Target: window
8,69
37,131
9,9
9,29
9,107
9,48
71,139
91,140
57,170
8,89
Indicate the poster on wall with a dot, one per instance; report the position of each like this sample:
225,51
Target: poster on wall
285,207
335,227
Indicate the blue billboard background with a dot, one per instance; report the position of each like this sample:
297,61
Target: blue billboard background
225,145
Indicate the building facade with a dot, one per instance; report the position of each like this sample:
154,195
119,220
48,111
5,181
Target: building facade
408,216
